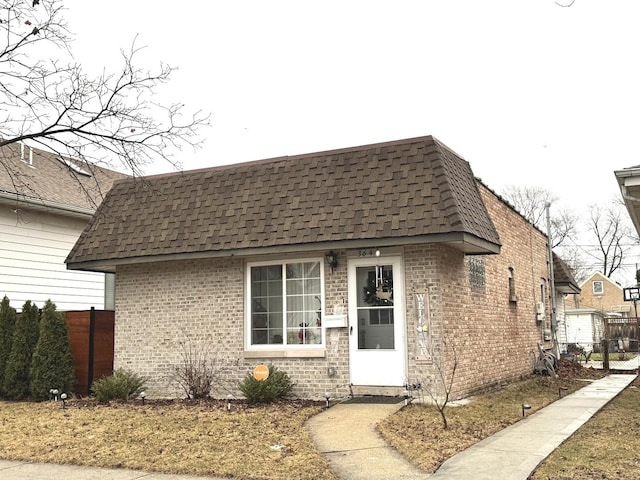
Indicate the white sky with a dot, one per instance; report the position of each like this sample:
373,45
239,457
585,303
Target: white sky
528,92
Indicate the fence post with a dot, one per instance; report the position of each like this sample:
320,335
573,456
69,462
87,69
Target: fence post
605,346
92,339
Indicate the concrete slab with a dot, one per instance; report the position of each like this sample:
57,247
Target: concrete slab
516,451
14,470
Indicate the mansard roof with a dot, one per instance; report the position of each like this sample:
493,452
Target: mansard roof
403,192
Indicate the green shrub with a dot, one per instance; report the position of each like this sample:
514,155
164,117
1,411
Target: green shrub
7,323
16,381
52,364
278,385
122,385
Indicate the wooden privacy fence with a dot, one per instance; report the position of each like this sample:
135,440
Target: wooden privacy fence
91,338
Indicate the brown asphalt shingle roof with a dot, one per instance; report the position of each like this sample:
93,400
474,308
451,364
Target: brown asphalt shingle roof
563,277
395,190
48,179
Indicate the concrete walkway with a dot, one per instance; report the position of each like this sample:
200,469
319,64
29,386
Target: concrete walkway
513,453
15,470
346,435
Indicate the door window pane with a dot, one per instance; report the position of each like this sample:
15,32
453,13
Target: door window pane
375,307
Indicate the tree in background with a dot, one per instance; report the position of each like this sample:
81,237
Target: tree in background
610,227
600,241
48,100
531,203
52,364
25,336
7,323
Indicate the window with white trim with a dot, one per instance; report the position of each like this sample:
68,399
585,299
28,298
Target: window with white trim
285,304
598,287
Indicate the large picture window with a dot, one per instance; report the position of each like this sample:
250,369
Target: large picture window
285,304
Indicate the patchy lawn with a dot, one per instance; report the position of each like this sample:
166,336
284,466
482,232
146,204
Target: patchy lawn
416,431
271,442
171,437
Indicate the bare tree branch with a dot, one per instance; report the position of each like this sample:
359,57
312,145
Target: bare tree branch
46,99
531,203
606,224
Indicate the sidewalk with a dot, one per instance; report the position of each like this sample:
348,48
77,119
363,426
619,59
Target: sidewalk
513,453
15,470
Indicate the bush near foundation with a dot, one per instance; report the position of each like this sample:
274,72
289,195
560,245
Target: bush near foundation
277,386
122,385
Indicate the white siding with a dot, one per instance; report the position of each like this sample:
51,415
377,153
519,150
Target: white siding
33,247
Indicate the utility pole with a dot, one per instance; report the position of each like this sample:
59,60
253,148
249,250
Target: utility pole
554,321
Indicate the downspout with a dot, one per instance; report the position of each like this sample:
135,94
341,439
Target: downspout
554,322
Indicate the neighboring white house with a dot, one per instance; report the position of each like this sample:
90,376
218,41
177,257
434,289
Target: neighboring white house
582,327
45,203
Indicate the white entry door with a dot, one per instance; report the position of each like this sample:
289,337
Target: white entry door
377,345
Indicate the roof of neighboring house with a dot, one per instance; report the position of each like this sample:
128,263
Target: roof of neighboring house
45,180
402,192
563,278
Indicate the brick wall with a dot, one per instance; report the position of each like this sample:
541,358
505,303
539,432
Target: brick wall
494,338
161,306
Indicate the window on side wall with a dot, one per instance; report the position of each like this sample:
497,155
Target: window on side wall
475,267
598,287
285,305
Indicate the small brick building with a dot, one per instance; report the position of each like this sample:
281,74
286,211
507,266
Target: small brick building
364,268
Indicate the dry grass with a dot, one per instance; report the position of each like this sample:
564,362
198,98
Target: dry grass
205,439
201,439
606,447
417,431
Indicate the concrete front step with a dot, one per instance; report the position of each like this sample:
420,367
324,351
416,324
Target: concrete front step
362,390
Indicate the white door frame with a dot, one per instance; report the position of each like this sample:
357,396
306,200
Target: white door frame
378,367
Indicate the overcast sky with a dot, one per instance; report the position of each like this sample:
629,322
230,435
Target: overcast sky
529,92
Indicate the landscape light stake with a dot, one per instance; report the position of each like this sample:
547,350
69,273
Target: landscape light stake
54,392
326,397
143,395
63,397
229,397
560,389
525,406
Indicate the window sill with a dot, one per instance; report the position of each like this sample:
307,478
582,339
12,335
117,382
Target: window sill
315,353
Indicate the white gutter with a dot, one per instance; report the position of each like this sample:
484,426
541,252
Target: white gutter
46,205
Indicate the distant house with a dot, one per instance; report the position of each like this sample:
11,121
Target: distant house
582,328
603,294
361,269
45,203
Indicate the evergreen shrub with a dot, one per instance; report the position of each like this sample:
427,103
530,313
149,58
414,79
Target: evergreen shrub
276,386
52,364
122,385
16,381
7,323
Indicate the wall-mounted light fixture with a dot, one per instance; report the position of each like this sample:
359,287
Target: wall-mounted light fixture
332,260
